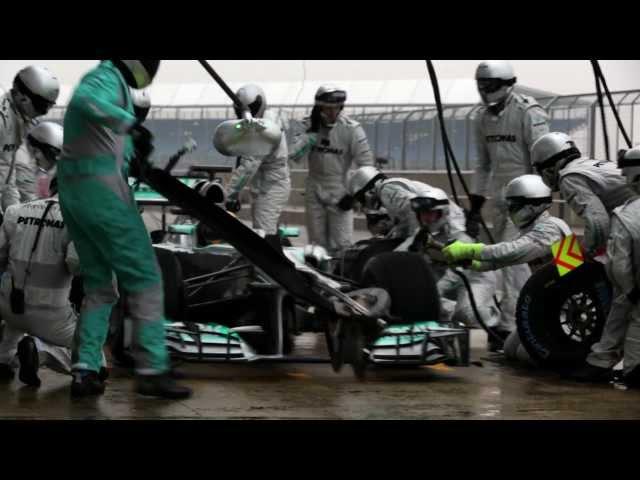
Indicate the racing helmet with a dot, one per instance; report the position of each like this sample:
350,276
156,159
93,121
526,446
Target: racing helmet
35,91
495,80
362,180
253,97
138,73
329,96
527,197
44,141
141,103
431,208
550,153
629,163
211,190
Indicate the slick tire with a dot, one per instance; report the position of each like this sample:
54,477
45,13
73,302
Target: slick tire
174,303
559,318
408,279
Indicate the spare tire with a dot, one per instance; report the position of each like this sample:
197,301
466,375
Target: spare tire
174,301
559,318
408,279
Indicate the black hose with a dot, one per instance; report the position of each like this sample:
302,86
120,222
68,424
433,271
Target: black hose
449,155
474,306
602,115
599,75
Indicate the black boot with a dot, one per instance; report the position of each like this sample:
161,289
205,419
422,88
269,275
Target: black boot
493,344
29,362
6,372
103,374
632,378
591,373
85,383
162,385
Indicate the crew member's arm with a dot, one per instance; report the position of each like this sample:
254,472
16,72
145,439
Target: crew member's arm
98,97
577,192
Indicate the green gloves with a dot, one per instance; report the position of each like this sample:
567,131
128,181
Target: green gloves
458,251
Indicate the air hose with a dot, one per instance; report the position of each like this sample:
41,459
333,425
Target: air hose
451,158
600,81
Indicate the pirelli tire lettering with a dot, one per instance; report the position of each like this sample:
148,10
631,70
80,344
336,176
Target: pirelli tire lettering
36,222
560,317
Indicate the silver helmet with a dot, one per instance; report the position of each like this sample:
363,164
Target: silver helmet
363,179
551,152
329,96
495,80
435,203
35,90
138,73
253,97
141,103
629,163
527,197
44,141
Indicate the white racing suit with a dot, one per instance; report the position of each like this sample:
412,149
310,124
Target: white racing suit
49,316
270,182
454,296
13,130
622,329
503,144
330,153
532,247
26,173
593,189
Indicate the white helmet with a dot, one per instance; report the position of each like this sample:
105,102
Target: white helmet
551,152
45,143
138,73
35,90
363,179
629,163
432,200
329,96
527,197
495,80
253,97
141,103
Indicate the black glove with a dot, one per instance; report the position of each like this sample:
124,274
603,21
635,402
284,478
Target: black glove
315,120
346,203
142,141
473,216
233,205
476,202
420,241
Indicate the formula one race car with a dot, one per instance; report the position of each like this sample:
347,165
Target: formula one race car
224,306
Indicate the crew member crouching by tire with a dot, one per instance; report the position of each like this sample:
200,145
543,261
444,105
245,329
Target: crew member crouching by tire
528,199
38,261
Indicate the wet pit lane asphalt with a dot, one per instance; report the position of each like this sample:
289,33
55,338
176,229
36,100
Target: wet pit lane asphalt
488,389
